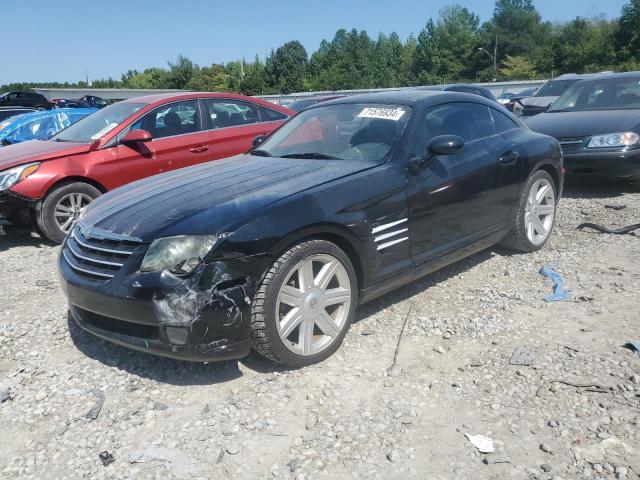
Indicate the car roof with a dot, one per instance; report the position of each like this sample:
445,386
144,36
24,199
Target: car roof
608,76
409,97
160,98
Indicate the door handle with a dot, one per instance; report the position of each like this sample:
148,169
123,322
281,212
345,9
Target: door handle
200,149
508,158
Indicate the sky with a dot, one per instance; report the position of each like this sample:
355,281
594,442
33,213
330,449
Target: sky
65,40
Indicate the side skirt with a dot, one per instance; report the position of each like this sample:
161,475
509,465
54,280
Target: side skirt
421,270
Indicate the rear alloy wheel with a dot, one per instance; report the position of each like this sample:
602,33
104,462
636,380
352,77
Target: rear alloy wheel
534,219
304,306
62,207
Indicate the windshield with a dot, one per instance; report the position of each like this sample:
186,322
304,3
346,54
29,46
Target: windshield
340,132
98,124
555,88
610,94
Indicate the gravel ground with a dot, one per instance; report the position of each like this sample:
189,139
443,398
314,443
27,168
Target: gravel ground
573,413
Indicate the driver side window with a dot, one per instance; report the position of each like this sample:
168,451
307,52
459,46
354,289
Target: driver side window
178,118
470,121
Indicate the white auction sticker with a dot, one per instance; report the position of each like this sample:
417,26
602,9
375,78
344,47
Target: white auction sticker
104,131
386,113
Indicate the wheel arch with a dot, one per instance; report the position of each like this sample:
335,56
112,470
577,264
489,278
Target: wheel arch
73,179
333,233
553,171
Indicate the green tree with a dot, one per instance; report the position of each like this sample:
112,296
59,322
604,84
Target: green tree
627,39
585,45
150,78
517,68
519,31
180,72
347,62
211,79
445,48
287,67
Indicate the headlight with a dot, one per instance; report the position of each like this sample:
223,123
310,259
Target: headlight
180,255
8,178
622,139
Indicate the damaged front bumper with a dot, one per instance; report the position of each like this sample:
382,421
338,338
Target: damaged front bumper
204,317
15,208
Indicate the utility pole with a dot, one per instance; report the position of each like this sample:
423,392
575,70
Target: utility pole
494,57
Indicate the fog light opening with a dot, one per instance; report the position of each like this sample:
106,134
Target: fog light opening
177,335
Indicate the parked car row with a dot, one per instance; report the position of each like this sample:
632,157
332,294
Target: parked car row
272,249
48,183
597,122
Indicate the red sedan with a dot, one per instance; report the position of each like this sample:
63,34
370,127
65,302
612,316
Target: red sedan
48,183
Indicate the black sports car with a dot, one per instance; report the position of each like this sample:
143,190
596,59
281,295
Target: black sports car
597,122
274,249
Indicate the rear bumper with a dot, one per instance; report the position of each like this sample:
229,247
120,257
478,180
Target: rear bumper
604,164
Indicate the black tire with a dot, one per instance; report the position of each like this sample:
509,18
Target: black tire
517,239
47,225
264,333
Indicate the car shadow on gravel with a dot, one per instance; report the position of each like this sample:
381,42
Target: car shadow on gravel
161,369
425,283
20,237
596,188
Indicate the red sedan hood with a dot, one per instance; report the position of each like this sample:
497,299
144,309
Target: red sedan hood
38,151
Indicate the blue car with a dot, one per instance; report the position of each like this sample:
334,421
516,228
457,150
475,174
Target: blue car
39,125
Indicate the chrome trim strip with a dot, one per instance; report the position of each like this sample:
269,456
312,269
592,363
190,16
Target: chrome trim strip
100,249
75,267
386,226
89,259
390,234
393,242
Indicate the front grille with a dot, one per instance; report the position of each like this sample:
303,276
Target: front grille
570,144
97,253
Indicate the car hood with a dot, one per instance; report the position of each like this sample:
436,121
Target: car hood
583,124
214,197
538,101
37,151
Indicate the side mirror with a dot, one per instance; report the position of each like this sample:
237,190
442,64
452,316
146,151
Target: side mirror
440,145
445,145
259,140
134,137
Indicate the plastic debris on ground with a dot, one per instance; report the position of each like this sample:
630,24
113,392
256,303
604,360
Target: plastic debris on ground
617,231
482,443
559,293
633,346
106,458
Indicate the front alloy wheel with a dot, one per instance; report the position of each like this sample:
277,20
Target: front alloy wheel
61,208
69,208
303,307
313,304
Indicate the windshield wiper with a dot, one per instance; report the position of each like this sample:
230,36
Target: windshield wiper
261,153
59,140
311,155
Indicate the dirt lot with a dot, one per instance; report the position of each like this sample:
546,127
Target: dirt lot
574,413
